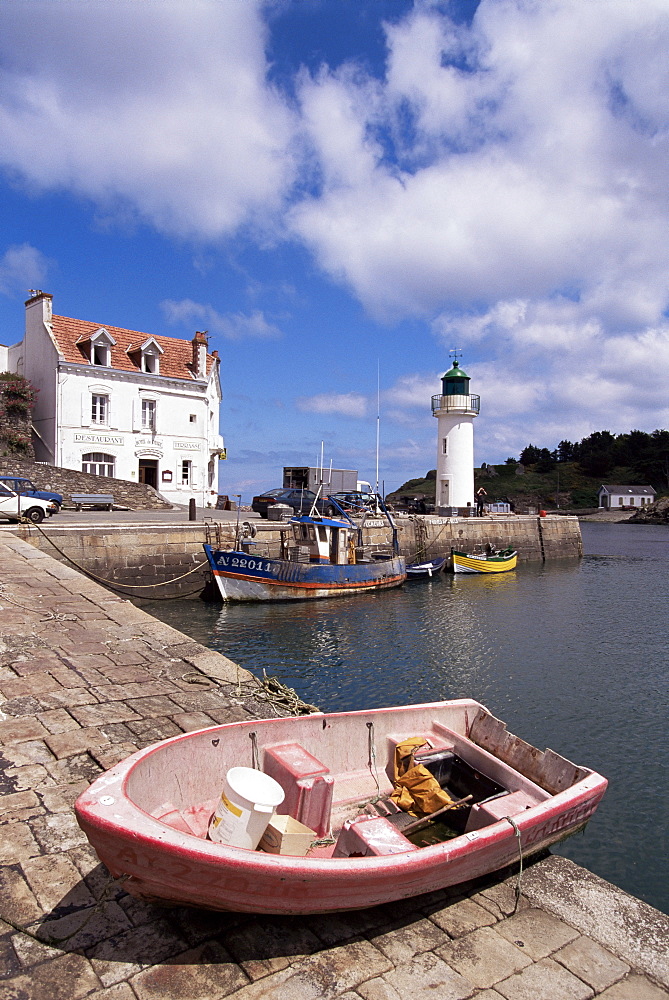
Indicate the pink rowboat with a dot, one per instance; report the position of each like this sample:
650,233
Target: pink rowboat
147,817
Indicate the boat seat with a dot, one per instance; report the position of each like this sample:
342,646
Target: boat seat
366,836
307,784
484,813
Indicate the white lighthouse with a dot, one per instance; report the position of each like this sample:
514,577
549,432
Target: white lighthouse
455,409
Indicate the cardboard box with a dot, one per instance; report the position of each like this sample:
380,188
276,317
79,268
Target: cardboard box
285,835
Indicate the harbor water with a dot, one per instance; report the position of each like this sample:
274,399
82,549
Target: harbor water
571,655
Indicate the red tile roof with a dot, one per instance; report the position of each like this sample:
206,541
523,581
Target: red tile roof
72,336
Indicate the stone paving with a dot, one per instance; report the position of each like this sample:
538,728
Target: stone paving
85,679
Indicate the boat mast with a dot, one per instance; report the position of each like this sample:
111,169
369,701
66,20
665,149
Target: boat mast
378,422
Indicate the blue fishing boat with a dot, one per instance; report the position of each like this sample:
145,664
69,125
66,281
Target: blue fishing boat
320,557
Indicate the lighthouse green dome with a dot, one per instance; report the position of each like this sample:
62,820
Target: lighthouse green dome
455,382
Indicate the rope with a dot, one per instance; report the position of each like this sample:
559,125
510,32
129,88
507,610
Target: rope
371,762
520,860
115,584
51,616
255,759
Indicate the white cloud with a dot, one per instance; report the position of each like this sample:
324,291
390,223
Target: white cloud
232,326
22,267
347,404
534,161
504,181
161,107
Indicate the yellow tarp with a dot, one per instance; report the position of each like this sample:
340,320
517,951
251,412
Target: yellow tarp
416,791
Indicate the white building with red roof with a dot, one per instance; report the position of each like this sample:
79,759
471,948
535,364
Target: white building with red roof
122,403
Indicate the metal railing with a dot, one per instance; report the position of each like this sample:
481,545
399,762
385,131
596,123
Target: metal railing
470,404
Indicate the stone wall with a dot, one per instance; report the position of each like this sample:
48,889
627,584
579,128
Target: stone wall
136,496
16,404
166,561
140,557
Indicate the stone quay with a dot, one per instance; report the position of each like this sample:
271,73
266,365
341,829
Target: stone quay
136,551
85,679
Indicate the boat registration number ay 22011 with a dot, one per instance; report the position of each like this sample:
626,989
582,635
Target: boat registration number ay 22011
240,562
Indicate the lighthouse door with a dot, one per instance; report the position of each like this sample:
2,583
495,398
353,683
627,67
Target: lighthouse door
444,495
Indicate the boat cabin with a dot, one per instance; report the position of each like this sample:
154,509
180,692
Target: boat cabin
321,540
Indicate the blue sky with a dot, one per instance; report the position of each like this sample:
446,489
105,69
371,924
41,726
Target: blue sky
336,188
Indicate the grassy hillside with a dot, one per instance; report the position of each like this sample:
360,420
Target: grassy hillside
564,486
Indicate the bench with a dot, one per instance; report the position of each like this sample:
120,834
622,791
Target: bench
92,500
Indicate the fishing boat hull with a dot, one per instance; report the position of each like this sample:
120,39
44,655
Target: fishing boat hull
243,577
464,562
136,816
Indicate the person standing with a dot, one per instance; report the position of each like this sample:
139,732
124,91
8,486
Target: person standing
481,494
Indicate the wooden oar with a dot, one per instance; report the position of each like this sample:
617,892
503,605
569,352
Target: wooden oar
419,824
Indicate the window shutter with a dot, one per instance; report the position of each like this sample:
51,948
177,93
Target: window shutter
136,414
86,407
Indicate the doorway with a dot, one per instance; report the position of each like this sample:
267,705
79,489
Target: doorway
148,472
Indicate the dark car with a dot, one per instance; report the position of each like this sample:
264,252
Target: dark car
25,488
300,500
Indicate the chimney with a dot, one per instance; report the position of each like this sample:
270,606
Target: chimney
199,343
44,303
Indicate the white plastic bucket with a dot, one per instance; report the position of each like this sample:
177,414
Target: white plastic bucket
247,804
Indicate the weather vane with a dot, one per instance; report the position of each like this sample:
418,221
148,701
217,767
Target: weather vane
457,353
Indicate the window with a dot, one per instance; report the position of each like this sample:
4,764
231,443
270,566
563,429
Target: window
100,354
98,464
444,446
193,418
620,501
186,473
631,501
149,414
99,409
150,363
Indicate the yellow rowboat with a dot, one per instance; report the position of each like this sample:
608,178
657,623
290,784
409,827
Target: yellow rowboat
484,562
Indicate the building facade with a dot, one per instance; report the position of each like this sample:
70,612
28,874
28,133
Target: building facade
117,402
613,497
455,409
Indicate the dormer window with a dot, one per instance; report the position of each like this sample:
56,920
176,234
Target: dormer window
101,355
150,363
99,347
146,356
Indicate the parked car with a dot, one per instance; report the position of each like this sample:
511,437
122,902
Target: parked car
13,506
25,488
300,500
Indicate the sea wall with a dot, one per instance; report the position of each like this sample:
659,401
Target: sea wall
161,561
535,538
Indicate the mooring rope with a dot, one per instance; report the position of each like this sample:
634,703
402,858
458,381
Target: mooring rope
115,584
520,860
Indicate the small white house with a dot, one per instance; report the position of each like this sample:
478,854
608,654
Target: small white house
625,496
117,402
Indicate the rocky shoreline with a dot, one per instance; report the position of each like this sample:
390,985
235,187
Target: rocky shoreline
655,513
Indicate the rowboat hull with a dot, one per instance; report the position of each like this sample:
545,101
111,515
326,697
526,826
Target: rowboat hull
243,577
548,799
468,563
426,569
